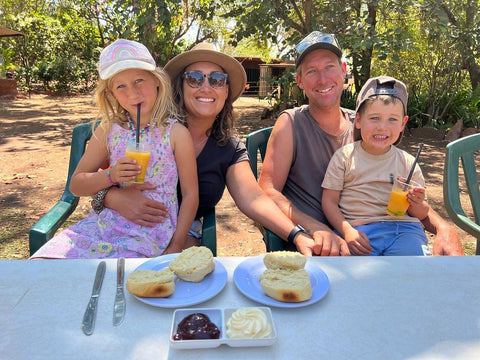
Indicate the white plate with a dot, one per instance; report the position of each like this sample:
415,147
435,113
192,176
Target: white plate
219,317
186,293
246,276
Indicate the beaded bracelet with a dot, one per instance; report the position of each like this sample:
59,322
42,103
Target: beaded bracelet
109,177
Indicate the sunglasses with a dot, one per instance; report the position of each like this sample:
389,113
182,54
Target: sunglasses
195,79
315,37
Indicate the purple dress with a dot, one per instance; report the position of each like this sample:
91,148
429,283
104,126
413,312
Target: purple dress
110,235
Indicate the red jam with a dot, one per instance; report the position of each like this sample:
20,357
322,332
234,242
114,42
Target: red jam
196,327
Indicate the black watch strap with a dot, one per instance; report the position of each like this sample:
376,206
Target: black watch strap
294,232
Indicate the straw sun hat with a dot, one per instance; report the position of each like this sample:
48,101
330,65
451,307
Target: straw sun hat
237,78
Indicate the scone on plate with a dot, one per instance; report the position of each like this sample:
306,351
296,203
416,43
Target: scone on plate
151,283
286,285
284,260
193,264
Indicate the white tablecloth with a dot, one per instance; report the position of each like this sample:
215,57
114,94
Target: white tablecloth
376,308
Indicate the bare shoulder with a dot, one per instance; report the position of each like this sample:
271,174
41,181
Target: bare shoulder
282,133
179,135
180,131
283,124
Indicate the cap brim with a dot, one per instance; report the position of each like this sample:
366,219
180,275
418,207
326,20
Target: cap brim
236,73
317,46
113,69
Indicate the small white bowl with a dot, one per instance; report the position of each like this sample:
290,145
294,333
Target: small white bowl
219,317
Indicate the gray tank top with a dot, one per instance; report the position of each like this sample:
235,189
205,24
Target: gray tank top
312,150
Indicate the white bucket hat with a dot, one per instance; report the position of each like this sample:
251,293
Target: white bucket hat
122,55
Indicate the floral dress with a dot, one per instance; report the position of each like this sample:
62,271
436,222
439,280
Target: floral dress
110,235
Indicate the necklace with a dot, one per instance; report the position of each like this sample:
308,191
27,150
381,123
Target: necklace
131,126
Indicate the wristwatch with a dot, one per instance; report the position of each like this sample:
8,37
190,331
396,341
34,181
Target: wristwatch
298,228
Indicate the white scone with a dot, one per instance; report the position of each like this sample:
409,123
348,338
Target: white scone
286,285
284,260
151,283
193,264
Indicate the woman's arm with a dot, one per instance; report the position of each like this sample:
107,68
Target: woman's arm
254,203
184,152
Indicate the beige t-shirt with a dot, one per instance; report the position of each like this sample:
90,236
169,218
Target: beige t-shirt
364,182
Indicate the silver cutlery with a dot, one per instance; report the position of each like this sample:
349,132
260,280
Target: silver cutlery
88,323
119,304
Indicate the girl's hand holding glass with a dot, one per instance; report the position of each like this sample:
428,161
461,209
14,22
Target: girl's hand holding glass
126,169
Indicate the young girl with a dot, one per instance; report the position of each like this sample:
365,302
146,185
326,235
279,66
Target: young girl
129,80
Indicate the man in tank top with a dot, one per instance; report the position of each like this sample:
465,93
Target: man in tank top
303,141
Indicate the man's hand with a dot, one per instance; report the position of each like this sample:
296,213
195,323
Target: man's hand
447,242
304,244
132,204
328,243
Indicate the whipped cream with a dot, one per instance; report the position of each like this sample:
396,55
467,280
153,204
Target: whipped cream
248,323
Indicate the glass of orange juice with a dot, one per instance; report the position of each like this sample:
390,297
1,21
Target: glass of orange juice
398,203
142,155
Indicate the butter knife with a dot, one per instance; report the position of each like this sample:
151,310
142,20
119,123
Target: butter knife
88,323
119,305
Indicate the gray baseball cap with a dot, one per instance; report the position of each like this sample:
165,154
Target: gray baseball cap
313,41
382,85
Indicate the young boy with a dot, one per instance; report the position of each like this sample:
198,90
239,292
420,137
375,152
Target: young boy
357,184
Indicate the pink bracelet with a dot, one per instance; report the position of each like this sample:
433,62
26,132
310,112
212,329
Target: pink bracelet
109,177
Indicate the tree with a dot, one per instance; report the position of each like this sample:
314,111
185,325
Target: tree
459,23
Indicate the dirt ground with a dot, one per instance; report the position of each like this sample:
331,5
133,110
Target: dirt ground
35,137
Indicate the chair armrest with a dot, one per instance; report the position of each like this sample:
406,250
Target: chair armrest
46,227
209,232
272,241
462,221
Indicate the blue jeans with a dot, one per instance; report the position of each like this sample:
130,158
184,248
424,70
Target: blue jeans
396,238
196,229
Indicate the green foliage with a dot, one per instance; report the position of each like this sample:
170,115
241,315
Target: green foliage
285,92
431,45
56,51
45,73
463,105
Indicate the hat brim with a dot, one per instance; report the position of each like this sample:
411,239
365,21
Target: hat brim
317,46
115,68
237,78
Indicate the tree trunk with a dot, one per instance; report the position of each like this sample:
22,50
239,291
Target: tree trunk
474,71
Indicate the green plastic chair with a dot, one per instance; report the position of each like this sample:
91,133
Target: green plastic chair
46,227
257,142
464,149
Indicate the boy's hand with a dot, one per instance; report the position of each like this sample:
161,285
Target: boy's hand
416,196
358,242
